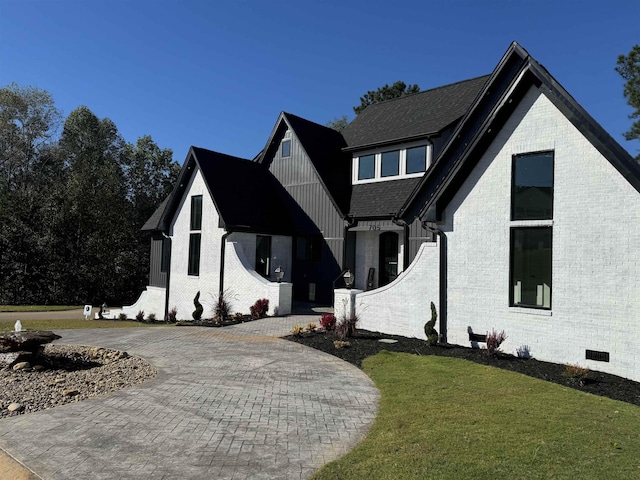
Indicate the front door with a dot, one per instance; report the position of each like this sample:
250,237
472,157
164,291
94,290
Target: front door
263,255
388,258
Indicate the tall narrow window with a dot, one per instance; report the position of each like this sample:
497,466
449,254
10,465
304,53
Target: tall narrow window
263,255
532,187
531,267
366,167
194,254
196,212
286,148
390,163
416,159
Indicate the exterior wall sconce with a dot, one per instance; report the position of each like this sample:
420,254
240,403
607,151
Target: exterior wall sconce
279,274
349,279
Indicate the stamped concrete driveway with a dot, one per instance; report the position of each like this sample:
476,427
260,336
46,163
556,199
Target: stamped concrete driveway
228,403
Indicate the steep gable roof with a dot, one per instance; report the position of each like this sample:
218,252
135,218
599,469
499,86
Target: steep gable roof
412,116
246,195
323,146
516,72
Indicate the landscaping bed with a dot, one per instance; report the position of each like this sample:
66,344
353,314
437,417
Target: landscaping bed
365,344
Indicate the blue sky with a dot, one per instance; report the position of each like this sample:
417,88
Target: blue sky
217,74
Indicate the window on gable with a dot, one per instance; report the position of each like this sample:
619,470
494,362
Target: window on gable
286,148
532,187
531,267
194,254
390,163
196,212
366,167
416,159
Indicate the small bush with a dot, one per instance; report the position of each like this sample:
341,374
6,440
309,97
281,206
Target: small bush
429,330
197,313
122,317
312,327
151,318
328,322
494,340
297,330
523,351
576,372
346,327
172,316
237,316
260,309
341,344
140,316
222,307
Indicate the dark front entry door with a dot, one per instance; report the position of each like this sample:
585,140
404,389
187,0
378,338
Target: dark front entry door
388,258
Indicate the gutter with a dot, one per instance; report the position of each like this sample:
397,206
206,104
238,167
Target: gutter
166,292
442,325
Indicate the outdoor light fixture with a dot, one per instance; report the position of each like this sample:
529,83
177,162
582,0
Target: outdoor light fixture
348,278
279,274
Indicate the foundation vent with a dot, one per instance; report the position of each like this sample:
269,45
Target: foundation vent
597,356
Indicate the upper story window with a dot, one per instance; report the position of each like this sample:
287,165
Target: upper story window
196,212
286,148
410,161
390,163
532,183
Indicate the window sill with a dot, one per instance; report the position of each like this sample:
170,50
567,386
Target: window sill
531,311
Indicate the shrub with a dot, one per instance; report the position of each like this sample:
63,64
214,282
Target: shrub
576,372
222,307
523,351
297,330
172,316
237,316
328,322
140,316
260,309
346,327
122,317
341,344
494,340
429,331
197,313
312,327
151,318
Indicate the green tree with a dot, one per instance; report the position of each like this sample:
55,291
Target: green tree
386,92
629,68
338,124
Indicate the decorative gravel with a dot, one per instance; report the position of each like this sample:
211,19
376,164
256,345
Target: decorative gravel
69,373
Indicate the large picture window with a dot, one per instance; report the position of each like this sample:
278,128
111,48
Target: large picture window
531,267
194,254
196,212
532,186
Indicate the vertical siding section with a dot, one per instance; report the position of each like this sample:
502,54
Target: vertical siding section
156,277
298,175
417,236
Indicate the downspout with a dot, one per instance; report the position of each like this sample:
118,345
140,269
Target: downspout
405,253
223,244
349,223
443,281
166,291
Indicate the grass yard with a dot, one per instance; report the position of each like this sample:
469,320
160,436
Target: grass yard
38,308
449,418
6,325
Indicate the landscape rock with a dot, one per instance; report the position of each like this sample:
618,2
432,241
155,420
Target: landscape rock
22,366
28,340
72,392
15,407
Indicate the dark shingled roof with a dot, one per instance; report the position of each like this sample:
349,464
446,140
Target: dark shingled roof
154,220
415,115
380,199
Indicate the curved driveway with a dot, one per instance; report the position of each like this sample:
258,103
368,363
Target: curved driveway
227,403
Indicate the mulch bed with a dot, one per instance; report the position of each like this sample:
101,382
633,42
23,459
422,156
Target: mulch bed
366,343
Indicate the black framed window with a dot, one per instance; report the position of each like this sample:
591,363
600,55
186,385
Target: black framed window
390,163
196,212
263,255
416,159
194,254
531,267
532,186
166,254
366,167
286,148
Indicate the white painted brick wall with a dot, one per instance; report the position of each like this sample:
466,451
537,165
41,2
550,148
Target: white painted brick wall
368,256
403,306
596,246
281,248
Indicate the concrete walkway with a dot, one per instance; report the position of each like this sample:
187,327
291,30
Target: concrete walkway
227,403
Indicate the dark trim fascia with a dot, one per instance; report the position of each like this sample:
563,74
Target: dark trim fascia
414,138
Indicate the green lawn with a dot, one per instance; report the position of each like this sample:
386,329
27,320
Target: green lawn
38,308
448,418
6,325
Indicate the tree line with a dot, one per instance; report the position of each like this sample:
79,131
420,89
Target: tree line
73,198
